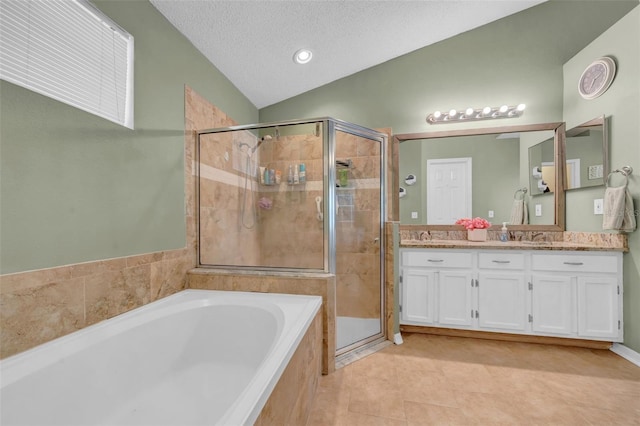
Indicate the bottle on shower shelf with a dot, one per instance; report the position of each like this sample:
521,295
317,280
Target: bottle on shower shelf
296,176
303,173
290,176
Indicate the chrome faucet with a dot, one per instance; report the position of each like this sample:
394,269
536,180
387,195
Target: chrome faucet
536,235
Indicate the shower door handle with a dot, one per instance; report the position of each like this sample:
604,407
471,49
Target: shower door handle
376,240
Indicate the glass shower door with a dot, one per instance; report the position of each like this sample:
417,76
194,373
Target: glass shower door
358,225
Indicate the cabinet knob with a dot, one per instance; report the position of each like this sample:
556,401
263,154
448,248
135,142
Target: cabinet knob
501,261
435,260
574,263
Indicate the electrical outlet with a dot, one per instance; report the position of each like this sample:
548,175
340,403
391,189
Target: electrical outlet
598,206
414,215
490,214
538,209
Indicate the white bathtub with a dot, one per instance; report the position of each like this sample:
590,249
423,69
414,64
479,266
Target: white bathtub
199,357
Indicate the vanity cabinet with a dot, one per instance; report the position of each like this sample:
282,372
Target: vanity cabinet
455,304
596,281
502,291
553,305
417,299
540,292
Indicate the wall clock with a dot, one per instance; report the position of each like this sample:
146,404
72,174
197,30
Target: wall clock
597,77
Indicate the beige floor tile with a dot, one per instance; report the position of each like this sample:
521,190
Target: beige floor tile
438,380
596,416
490,408
358,419
427,414
375,397
427,388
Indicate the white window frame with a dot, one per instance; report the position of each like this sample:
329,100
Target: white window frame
69,51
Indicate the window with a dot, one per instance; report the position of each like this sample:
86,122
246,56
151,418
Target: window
71,52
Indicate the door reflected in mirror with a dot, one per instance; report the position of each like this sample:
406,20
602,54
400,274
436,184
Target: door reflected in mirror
477,172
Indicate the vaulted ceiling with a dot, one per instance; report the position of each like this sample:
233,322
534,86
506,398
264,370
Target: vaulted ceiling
253,42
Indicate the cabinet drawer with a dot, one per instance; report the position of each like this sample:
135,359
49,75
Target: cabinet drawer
437,259
574,263
501,260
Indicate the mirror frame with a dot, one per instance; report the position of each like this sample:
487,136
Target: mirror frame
596,122
558,148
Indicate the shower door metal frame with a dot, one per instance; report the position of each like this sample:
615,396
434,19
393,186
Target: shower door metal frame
329,126
248,127
330,172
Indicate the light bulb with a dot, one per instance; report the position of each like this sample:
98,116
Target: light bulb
437,114
468,111
521,107
452,113
302,56
486,110
504,109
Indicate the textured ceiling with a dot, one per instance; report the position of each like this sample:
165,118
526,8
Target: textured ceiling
252,42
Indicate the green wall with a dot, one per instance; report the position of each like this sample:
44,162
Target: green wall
517,59
513,60
75,187
621,103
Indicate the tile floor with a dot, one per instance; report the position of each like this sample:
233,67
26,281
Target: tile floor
436,380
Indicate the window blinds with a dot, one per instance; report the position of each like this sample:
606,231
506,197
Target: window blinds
70,51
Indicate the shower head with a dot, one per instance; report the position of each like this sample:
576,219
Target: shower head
262,139
252,149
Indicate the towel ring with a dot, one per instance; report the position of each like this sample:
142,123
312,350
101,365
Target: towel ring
624,171
523,190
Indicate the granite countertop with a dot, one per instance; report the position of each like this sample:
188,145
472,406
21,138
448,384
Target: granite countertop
511,245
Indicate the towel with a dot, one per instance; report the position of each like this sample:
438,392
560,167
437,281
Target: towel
618,210
519,214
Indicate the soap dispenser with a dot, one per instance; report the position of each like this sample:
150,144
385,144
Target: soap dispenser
504,236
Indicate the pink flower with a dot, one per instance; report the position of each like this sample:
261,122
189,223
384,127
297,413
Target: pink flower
475,223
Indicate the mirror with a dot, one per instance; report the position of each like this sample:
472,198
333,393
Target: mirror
488,169
587,154
585,151
541,165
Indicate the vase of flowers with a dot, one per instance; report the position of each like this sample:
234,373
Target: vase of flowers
476,228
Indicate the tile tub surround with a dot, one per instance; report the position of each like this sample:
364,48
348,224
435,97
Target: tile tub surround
291,400
39,306
418,236
279,282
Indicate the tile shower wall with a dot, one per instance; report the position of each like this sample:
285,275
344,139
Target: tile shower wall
290,232
221,203
357,224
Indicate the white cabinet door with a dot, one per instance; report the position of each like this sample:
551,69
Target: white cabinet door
502,301
418,296
598,307
455,290
553,304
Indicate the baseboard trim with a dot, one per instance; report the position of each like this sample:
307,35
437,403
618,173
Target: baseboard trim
626,353
489,335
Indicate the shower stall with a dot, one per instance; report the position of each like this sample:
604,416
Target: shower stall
304,196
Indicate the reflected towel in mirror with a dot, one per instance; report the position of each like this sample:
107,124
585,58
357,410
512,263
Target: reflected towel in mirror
519,213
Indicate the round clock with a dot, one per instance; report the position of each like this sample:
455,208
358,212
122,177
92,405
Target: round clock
597,77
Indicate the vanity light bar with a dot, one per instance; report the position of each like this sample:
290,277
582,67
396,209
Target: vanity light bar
471,114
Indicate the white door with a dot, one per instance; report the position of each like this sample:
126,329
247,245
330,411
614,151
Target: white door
417,296
454,298
502,301
598,307
553,304
448,190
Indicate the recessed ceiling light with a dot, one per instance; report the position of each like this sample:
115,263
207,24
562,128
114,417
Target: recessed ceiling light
302,56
